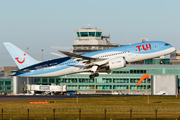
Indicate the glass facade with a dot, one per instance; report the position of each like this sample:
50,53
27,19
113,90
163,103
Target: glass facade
98,34
78,34
84,34
89,34
6,85
157,61
118,79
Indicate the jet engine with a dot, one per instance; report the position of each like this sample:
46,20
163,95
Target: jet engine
118,62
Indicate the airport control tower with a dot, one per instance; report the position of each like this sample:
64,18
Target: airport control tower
91,39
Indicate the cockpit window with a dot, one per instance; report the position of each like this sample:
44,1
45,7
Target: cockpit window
167,44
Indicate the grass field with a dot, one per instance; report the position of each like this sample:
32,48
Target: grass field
94,109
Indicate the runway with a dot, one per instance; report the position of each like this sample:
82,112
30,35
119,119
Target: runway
53,97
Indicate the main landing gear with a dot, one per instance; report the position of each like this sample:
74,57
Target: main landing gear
94,75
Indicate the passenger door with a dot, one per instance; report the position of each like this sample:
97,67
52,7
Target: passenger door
156,46
131,56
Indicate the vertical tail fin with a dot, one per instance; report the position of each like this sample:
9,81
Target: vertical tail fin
21,58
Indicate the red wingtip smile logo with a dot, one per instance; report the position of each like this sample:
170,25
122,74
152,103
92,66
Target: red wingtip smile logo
20,61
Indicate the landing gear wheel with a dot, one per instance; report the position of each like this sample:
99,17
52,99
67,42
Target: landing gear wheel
96,74
91,76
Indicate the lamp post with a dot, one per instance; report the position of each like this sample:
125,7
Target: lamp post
27,49
42,54
27,77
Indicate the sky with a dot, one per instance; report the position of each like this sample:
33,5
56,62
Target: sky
40,24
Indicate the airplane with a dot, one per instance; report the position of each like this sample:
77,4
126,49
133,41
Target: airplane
108,59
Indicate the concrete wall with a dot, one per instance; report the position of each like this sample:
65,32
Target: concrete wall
10,68
19,84
164,83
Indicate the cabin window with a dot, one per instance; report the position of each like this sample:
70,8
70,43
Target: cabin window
167,44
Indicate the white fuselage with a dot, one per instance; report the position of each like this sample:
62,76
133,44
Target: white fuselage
80,67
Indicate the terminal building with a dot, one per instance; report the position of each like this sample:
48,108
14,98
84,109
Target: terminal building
164,74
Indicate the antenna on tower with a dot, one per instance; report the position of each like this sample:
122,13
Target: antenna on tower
89,25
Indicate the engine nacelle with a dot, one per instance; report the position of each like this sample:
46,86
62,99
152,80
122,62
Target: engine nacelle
118,62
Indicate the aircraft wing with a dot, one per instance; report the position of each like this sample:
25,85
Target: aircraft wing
81,58
59,55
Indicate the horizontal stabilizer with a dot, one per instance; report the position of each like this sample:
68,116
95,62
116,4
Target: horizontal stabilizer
20,71
79,57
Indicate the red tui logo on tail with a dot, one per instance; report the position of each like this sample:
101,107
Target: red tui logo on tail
17,58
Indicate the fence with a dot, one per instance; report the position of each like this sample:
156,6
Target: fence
90,112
